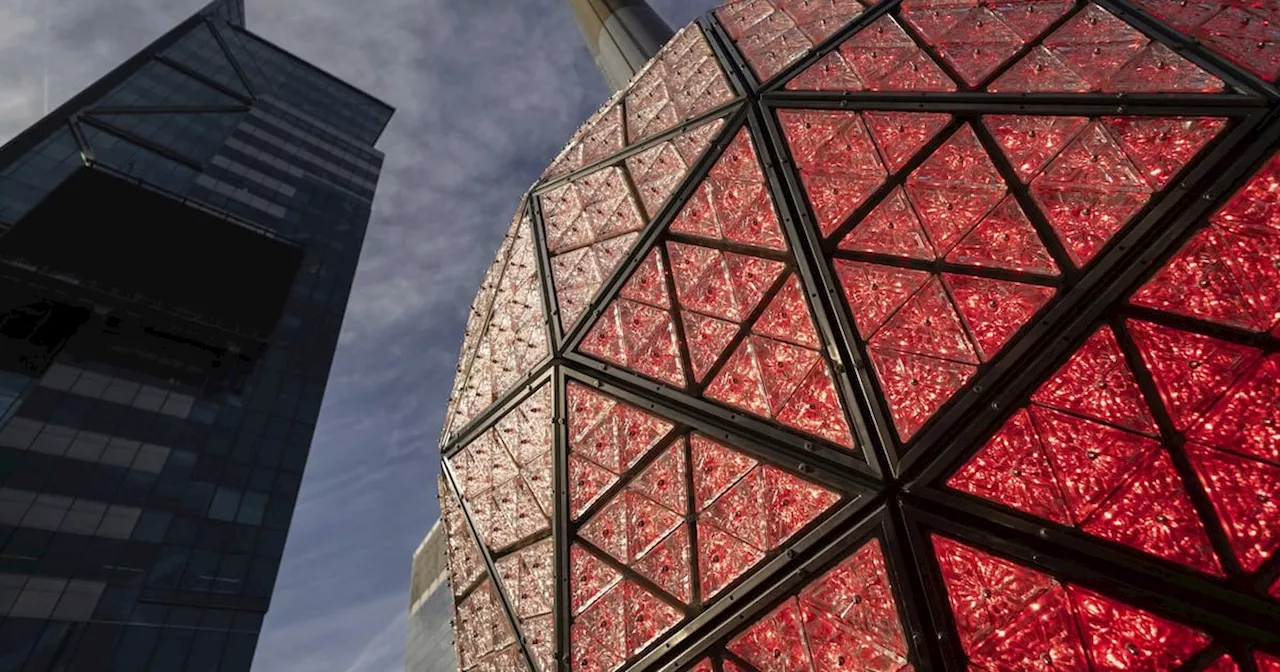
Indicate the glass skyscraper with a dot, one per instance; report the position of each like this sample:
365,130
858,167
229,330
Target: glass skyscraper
177,246
429,639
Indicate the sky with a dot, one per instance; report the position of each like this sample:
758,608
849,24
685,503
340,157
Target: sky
487,92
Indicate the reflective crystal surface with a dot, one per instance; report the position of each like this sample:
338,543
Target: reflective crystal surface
773,34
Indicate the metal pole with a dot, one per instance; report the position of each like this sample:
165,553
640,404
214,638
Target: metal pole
622,36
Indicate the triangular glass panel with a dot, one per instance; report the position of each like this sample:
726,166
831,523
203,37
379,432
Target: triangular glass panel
1220,276
1161,146
716,467
682,81
915,387
600,136
900,135
1005,239
1152,513
660,169
1097,51
879,57
998,605
611,434
856,626
1030,142
773,34
977,40
954,188
1243,492
1011,469
994,310
840,170
1090,459
875,292
1190,370
986,592
746,510
1130,638
1097,383
733,202
927,324
891,228
1246,419
668,565
786,318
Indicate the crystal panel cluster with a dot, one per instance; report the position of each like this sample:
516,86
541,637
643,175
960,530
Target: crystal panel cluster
648,499
1095,451
506,334
773,34
926,334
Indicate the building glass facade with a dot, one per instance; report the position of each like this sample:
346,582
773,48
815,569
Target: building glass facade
889,335
179,245
429,639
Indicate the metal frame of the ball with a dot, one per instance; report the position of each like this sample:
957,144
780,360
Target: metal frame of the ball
908,504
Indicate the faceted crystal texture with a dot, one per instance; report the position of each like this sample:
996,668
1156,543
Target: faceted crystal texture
926,333
715,309
1096,51
1085,453
1245,32
528,582
592,221
846,619
879,57
505,474
773,34
651,501
1228,272
506,335
483,636
977,38
465,564
1010,616
682,82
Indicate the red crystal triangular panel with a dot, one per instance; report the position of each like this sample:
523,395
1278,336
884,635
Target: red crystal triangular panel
609,434
1191,371
1124,637
1161,146
1242,31
1005,239
875,292
1012,469
916,387
839,171
773,34
976,40
1096,51
732,203
1244,495
954,188
1247,419
658,170
1030,142
1097,383
994,310
927,324
899,135
997,603
891,228
879,57
1152,513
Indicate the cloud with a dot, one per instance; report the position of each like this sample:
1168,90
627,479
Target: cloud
487,92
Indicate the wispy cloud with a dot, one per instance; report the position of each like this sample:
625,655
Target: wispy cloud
487,91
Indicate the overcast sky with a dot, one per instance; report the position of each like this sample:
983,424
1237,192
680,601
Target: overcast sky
486,92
